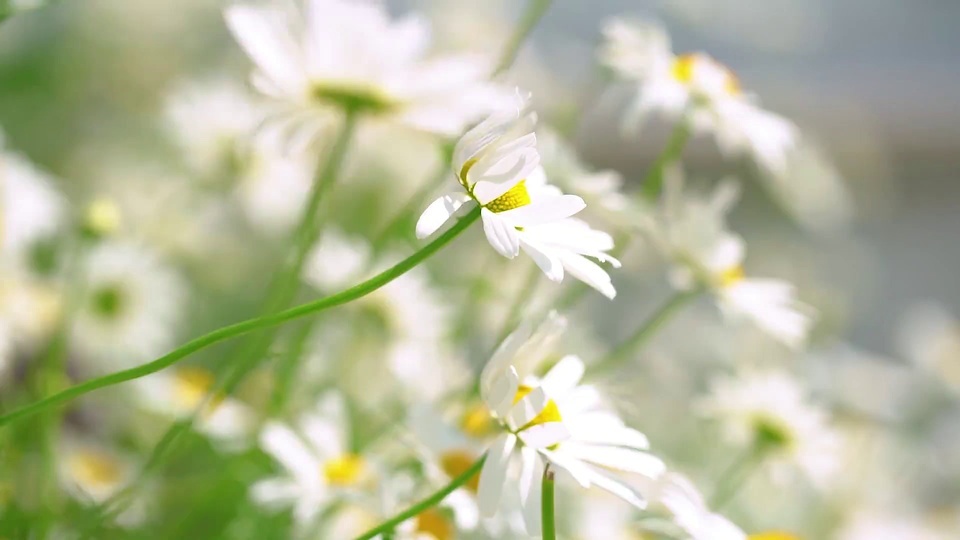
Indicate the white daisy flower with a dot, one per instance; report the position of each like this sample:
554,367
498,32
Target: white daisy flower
769,411
319,466
213,123
337,261
180,391
31,208
496,163
691,231
130,305
92,473
275,183
338,54
696,87
553,421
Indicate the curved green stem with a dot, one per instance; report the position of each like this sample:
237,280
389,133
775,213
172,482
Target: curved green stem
533,14
653,182
547,504
733,478
643,334
425,504
227,332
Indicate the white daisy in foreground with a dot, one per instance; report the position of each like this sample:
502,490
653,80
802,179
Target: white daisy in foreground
689,511
696,89
179,392
130,305
691,231
213,123
93,473
769,412
553,421
496,163
338,54
319,467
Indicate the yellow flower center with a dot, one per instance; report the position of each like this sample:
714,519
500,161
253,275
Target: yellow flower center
191,385
346,470
773,535
457,462
685,66
95,469
435,524
550,413
477,421
771,433
515,197
731,276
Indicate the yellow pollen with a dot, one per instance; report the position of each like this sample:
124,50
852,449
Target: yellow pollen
346,470
515,197
457,462
773,536
477,421
550,413
730,276
437,526
191,387
683,67
95,469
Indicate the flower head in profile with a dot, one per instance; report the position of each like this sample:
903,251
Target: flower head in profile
130,304
700,89
691,231
338,54
318,464
690,512
497,165
553,420
770,412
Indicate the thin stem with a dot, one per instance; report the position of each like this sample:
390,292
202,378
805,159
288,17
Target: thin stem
533,14
286,369
547,504
243,327
425,504
653,182
735,476
643,334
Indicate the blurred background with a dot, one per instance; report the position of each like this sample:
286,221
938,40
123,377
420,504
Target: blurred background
85,90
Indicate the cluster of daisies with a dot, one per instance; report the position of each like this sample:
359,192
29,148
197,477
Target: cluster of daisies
384,407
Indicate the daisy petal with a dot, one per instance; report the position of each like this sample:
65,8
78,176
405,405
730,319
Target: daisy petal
501,235
494,474
439,212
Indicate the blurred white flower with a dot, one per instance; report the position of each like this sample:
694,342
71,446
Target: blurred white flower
813,191
93,473
337,261
888,525
697,89
213,123
351,55
31,208
130,306
690,512
929,336
179,392
317,461
496,163
691,231
274,185
769,412
553,420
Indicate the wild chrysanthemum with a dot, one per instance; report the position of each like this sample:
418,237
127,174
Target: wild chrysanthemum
496,163
692,232
699,88
338,54
553,421
769,412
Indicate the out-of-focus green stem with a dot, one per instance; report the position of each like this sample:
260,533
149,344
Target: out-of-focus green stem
249,325
535,11
653,182
286,369
547,503
425,504
733,478
643,333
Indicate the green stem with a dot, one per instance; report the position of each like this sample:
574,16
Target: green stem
535,11
653,182
425,504
643,334
286,369
266,321
734,477
547,504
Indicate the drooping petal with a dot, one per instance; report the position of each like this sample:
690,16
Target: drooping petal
439,212
545,258
531,472
545,211
494,474
564,376
286,447
501,235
